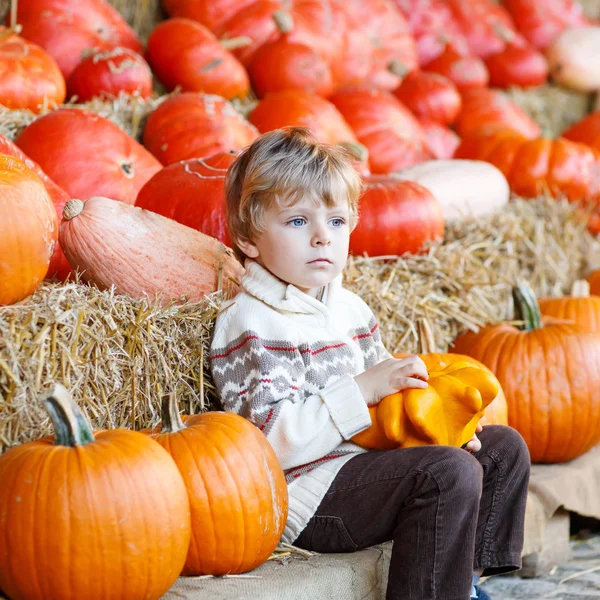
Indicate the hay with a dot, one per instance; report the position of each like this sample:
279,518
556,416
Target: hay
142,15
552,107
466,281
118,356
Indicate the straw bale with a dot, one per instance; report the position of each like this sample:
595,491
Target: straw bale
117,355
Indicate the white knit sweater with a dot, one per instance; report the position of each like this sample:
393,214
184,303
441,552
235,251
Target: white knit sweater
287,362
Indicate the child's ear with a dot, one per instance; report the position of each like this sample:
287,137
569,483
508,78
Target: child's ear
248,248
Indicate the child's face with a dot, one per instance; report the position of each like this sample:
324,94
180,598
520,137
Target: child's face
305,244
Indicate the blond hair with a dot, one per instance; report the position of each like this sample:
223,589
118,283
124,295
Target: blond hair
286,165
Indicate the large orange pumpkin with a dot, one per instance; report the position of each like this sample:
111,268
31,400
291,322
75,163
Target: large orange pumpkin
88,155
396,217
29,76
144,254
106,514
195,125
59,266
389,131
192,192
184,53
68,29
28,231
550,376
237,489
578,307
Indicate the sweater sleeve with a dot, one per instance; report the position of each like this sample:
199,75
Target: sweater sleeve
264,380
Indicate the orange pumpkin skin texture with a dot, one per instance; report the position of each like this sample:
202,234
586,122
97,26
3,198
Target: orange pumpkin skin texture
586,131
29,76
237,489
110,72
88,155
466,72
594,281
105,519
184,53
551,380
579,307
446,412
28,230
195,125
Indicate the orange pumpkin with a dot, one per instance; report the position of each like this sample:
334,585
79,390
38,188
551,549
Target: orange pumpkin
186,54
144,254
441,141
517,65
578,307
28,233
86,154
549,374
586,131
389,131
29,76
594,280
466,72
110,72
191,192
195,125
237,489
107,510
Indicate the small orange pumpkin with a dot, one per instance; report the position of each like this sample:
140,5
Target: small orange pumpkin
237,489
578,306
106,514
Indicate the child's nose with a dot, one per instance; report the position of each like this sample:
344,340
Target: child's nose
321,237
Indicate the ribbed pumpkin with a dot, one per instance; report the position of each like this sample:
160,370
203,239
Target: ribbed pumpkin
195,125
396,217
186,54
88,155
464,71
29,76
28,230
142,253
441,141
550,376
191,192
109,73
237,489
578,306
59,266
446,412
106,514
496,412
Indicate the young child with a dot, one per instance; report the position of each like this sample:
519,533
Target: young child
302,358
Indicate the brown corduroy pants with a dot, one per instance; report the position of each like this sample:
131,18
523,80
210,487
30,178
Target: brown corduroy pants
447,511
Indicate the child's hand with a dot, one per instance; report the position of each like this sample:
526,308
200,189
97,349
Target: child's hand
474,444
390,376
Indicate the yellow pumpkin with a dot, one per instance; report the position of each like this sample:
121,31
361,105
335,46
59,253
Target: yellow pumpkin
444,413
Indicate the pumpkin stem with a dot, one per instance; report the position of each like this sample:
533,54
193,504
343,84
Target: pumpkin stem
397,67
171,421
71,428
526,307
426,338
284,21
72,208
236,42
580,288
358,151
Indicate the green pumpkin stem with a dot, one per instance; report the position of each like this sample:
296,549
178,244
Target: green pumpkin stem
71,428
171,421
526,307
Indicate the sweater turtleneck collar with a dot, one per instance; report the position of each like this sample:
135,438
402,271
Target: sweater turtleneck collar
262,284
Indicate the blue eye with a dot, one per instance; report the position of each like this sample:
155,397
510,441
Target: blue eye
298,222
337,222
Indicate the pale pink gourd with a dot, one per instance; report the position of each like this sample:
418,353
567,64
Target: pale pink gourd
143,253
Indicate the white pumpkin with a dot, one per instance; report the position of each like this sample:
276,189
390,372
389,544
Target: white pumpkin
464,188
573,59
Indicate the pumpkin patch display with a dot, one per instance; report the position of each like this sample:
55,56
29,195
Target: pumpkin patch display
237,489
446,412
67,29
191,192
29,76
195,125
28,233
144,254
396,217
185,54
115,494
110,72
86,154
550,377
